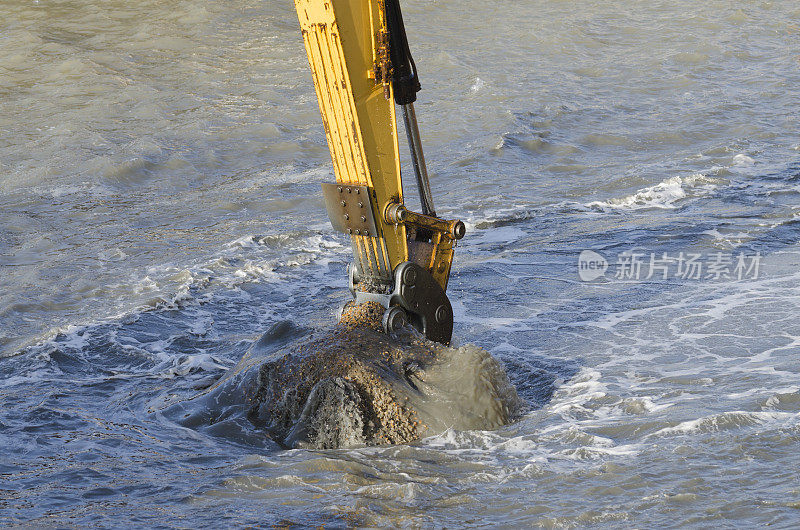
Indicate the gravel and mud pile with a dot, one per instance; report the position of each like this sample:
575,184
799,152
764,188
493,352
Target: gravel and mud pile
354,385
338,390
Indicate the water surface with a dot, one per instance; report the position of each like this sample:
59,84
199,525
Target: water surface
159,187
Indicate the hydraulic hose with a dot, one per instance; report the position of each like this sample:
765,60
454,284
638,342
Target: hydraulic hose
404,72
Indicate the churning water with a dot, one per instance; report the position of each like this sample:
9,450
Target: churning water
160,166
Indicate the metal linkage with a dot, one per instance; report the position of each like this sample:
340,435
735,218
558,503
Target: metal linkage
420,298
396,213
418,160
405,84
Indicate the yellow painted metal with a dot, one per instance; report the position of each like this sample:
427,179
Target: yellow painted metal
343,39
442,258
346,45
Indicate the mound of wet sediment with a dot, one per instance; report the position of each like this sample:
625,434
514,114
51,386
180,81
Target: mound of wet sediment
350,386
355,385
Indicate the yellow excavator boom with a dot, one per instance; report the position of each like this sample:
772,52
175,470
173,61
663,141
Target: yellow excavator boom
351,45
340,38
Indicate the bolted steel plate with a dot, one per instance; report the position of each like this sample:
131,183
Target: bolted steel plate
349,209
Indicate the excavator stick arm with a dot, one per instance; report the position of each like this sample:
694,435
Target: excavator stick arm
350,46
341,42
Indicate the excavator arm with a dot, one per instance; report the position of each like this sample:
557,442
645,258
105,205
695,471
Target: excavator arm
362,67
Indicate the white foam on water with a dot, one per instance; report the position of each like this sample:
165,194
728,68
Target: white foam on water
247,259
573,397
202,325
74,337
494,218
115,254
742,160
494,449
38,374
477,85
465,441
548,448
630,406
460,313
405,492
590,453
727,421
665,195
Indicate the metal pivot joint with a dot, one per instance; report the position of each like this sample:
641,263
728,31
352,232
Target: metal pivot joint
396,213
417,298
